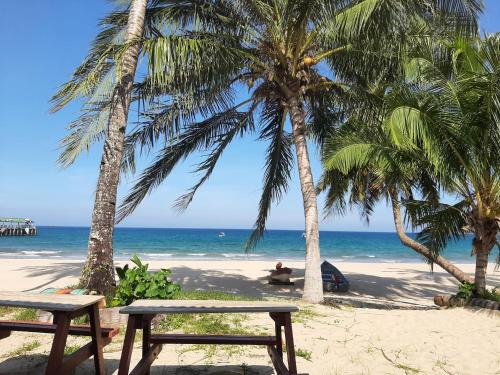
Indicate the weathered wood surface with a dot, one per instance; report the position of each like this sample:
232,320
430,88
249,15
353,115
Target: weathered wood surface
48,302
75,330
205,306
212,339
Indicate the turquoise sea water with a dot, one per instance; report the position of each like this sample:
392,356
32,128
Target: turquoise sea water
151,243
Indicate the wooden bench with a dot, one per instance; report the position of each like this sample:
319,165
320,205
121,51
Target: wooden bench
64,308
142,312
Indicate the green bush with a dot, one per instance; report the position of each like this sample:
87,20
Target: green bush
138,283
466,290
493,295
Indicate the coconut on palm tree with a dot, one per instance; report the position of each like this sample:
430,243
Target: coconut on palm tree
438,134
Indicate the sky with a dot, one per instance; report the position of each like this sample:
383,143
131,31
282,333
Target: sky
43,41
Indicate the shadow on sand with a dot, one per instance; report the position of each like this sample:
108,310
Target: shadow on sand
422,285
35,364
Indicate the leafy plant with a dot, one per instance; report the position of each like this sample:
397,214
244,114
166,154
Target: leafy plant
466,290
493,295
138,283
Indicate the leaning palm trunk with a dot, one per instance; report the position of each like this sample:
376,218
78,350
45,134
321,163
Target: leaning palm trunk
98,271
485,231
445,264
313,285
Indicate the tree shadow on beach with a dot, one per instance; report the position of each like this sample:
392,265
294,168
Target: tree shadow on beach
421,287
35,364
234,282
407,286
56,271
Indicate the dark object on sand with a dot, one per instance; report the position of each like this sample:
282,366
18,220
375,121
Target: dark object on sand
281,275
333,279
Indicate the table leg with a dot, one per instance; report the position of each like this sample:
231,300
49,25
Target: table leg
278,322
290,348
97,341
128,344
56,355
146,336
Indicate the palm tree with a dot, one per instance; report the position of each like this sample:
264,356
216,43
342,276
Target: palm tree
362,167
445,118
98,271
282,51
199,51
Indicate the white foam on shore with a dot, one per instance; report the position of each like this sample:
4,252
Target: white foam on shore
39,252
150,255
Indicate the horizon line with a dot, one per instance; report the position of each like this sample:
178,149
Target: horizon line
217,228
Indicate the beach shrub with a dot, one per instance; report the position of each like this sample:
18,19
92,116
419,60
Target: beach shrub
493,295
466,290
138,283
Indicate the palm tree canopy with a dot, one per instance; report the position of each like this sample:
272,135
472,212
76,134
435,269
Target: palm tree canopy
438,133
200,53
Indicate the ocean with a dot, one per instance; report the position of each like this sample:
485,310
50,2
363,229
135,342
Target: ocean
163,243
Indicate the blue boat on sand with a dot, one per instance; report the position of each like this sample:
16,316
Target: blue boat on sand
333,279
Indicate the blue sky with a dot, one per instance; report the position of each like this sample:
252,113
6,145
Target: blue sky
43,41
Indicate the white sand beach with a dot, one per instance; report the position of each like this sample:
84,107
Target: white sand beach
410,283
333,339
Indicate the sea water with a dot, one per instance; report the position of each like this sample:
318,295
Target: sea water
163,243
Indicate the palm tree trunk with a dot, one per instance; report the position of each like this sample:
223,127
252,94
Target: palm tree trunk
313,284
445,264
480,272
486,231
98,271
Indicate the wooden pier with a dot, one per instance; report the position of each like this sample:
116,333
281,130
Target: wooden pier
11,226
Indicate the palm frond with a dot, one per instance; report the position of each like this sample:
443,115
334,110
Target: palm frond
198,136
279,163
441,222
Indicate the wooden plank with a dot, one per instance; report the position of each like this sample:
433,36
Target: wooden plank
146,337
212,339
145,363
47,302
97,342
35,326
204,306
56,355
128,344
4,334
290,348
74,359
277,361
278,334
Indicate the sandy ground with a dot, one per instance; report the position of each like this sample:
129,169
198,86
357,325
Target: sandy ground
408,283
339,339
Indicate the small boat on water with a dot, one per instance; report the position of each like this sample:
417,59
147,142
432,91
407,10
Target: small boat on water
333,279
222,234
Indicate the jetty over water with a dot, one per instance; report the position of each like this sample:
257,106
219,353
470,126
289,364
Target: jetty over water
13,226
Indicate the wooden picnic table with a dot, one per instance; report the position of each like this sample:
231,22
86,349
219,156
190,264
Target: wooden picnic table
64,307
142,312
